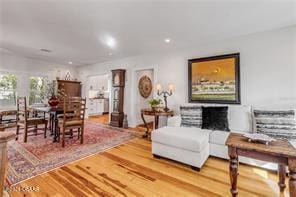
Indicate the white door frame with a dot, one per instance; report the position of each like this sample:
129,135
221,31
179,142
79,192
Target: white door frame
109,74
134,85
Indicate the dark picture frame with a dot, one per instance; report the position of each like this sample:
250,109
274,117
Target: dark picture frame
214,79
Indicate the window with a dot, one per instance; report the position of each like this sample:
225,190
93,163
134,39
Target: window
8,83
37,90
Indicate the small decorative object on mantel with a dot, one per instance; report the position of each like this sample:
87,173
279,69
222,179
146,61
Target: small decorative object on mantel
58,74
68,76
145,86
154,103
165,94
261,138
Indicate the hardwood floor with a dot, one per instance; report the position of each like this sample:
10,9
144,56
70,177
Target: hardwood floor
103,119
131,170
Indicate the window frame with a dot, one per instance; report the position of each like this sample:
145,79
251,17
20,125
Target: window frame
45,78
13,90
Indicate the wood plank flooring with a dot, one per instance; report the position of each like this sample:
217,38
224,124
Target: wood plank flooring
103,119
131,170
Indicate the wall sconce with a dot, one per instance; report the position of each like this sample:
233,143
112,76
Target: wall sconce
165,94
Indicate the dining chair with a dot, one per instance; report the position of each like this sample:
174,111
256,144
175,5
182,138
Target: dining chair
73,118
26,122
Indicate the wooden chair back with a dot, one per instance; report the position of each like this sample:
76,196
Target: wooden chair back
22,112
61,102
74,109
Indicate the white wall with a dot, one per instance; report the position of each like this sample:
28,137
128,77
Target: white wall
24,68
268,68
142,102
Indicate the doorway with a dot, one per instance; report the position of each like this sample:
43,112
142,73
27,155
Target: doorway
142,101
98,94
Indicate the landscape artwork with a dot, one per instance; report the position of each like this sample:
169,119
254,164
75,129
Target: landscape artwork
214,79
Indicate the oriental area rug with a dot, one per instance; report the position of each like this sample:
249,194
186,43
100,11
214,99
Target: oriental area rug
40,154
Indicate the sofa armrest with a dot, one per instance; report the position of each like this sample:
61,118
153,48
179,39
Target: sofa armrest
174,121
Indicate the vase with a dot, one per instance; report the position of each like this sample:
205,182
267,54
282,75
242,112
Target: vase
53,101
154,108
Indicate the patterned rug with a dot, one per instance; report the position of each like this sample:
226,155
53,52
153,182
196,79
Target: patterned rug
40,155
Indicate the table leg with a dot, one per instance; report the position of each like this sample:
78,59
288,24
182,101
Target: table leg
282,176
292,175
55,128
51,120
233,170
145,123
156,118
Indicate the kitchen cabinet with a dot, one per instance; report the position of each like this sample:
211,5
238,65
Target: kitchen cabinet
98,83
96,106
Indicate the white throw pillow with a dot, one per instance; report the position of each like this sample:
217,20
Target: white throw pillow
174,121
240,118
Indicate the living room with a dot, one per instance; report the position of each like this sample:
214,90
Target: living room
146,74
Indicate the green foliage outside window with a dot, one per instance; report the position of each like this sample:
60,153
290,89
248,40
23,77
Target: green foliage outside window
37,90
8,84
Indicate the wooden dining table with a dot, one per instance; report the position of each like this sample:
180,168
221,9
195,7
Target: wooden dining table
8,112
53,112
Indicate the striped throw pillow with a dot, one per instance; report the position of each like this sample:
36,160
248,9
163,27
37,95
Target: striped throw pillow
277,124
191,116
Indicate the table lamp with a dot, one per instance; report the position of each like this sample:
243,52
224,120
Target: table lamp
165,94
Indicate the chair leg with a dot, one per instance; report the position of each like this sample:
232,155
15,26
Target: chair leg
17,132
78,133
51,124
25,133
82,133
45,129
59,133
71,133
36,129
63,138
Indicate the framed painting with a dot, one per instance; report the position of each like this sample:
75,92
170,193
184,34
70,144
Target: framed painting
214,79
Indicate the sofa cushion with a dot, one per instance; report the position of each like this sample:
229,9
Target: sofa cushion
240,118
278,124
215,118
193,139
191,116
220,137
174,121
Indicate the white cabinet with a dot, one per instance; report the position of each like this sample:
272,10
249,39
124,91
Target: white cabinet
100,105
96,106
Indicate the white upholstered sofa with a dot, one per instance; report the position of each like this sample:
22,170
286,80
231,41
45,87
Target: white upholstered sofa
193,146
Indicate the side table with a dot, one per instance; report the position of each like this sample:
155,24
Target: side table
280,152
156,114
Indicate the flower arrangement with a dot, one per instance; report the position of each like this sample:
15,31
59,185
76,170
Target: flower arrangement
154,103
53,93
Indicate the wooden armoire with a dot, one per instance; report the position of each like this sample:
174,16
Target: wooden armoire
118,83
70,88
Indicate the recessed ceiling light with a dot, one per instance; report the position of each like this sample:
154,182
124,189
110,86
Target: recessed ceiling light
167,40
111,42
110,54
70,62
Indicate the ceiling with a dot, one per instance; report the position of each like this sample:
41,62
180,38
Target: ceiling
88,31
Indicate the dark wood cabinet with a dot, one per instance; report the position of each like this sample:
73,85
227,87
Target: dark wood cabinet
118,83
70,88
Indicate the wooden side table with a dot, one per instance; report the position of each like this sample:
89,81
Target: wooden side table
156,114
280,152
